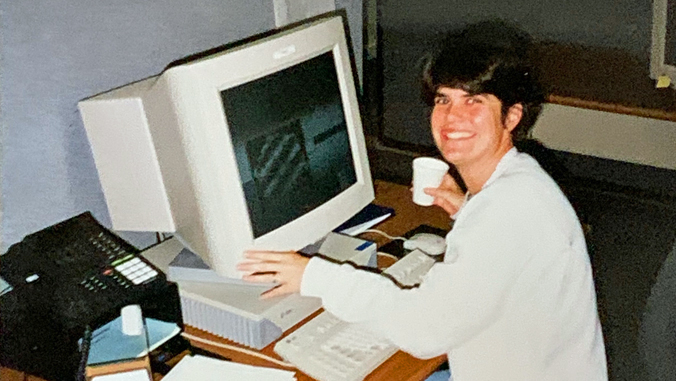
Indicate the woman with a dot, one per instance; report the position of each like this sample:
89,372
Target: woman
514,298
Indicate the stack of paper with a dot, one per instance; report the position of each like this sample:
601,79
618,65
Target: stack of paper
370,216
210,369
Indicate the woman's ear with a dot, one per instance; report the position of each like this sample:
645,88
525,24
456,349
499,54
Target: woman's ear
513,117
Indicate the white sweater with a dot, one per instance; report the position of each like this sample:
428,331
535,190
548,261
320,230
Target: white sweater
513,300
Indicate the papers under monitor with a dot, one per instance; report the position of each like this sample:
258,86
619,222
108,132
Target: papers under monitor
370,216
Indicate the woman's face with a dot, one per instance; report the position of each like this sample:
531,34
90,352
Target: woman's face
469,129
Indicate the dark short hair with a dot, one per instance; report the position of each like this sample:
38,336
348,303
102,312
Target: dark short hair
489,57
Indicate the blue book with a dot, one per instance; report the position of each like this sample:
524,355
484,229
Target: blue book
368,217
109,344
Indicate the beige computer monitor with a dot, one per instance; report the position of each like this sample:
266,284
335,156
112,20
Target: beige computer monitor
175,152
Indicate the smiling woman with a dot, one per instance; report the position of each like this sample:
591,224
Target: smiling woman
484,102
514,297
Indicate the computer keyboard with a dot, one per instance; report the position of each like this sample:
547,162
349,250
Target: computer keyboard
411,269
330,349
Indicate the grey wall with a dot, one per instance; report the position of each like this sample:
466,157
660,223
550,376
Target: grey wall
57,52
624,24
411,28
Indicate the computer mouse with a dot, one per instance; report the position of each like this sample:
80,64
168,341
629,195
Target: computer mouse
431,244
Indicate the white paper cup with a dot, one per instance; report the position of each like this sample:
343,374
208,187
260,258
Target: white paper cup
428,172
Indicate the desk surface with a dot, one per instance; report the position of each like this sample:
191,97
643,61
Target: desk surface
401,366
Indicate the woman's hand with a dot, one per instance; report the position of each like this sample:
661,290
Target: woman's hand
284,268
449,196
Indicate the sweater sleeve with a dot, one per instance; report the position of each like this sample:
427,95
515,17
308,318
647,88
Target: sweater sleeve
455,301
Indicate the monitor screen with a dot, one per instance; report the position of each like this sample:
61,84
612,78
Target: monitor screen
290,139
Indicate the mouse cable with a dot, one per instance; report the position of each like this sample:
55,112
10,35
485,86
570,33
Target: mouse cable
237,349
387,255
384,234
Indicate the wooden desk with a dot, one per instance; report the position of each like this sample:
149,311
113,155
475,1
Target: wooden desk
408,215
401,366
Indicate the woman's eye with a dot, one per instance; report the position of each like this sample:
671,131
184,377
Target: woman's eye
439,100
473,100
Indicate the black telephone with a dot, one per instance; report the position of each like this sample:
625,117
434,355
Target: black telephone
64,278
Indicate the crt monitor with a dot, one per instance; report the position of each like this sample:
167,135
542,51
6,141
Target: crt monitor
258,146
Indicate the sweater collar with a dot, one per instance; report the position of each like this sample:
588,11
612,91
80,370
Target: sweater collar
501,167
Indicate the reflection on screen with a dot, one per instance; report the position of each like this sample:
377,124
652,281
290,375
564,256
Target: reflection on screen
291,141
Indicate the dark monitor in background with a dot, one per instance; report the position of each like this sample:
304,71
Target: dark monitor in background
663,48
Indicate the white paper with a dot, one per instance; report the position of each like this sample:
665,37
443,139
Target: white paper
210,369
134,375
